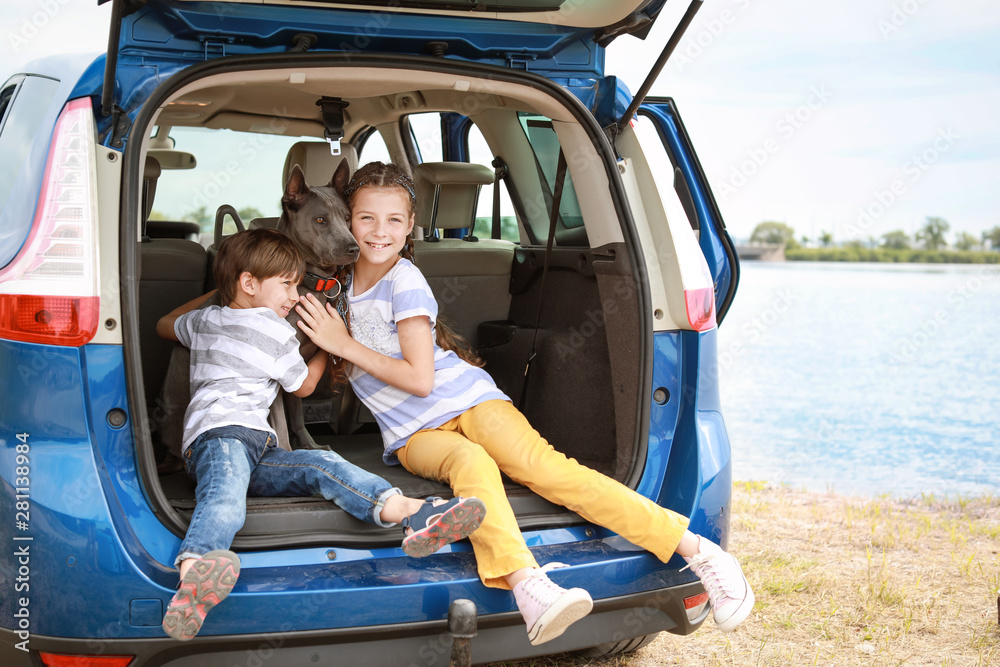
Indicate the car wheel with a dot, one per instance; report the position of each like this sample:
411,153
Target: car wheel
616,648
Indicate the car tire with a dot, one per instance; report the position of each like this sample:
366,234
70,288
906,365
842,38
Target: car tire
616,648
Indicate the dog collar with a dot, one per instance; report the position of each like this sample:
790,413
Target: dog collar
321,284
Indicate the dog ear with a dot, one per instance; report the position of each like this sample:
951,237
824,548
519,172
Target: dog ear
296,186
341,177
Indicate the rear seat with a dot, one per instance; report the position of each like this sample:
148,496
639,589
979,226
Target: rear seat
470,279
317,166
173,229
171,273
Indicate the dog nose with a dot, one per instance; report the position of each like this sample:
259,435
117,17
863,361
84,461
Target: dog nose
353,249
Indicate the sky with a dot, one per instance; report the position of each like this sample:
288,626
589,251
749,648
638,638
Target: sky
855,118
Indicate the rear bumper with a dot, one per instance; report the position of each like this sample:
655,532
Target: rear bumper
427,643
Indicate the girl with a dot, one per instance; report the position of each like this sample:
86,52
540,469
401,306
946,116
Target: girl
443,418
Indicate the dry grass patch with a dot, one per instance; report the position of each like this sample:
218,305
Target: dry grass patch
850,581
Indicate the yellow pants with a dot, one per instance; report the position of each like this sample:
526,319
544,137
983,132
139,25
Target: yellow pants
468,453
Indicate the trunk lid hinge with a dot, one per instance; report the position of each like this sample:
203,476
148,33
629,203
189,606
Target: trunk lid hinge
637,24
120,125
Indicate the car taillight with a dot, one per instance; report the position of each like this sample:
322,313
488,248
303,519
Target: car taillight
50,292
700,305
695,605
60,660
699,294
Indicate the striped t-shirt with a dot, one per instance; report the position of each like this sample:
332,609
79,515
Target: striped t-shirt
400,294
239,356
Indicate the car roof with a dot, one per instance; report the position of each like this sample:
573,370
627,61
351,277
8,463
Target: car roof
63,66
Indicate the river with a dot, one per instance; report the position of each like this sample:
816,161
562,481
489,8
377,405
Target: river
864,378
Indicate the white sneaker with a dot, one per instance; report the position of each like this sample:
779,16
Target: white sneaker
728,589
549,609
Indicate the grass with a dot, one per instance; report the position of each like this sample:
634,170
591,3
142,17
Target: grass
850,581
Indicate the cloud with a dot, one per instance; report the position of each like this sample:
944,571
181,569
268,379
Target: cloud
745,67
897,70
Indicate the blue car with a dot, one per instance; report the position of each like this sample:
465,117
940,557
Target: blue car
121,173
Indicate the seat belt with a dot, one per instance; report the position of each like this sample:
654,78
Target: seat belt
500,173
553,217
332,109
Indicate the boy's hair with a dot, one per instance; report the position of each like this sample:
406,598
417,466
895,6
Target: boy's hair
264,253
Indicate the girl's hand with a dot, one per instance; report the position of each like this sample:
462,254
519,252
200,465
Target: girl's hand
414,373
324,326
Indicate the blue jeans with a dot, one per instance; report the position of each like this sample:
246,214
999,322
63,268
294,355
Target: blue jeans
229,463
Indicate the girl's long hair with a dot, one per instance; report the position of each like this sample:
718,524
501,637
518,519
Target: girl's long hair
382,175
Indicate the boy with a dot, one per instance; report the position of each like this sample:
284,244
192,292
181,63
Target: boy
241,352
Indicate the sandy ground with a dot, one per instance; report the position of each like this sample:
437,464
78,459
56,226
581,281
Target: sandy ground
850,581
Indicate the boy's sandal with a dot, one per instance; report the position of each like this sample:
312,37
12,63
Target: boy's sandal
435,526
206,584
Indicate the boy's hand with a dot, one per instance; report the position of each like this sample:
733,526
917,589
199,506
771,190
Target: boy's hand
324,326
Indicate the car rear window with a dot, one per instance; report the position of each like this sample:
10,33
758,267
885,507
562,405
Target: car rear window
479,5
22,158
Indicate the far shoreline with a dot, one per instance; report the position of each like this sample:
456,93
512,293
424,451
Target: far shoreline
891,256
779,252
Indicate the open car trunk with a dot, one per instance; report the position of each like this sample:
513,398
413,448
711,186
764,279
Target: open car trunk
591,368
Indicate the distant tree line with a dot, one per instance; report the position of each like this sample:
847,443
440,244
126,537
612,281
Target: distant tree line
928,244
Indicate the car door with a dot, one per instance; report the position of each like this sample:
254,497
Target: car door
692,188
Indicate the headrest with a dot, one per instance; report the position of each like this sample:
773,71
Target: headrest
316,162
152,168
447,193
150,172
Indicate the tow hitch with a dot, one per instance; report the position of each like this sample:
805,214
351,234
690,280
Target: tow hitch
462,628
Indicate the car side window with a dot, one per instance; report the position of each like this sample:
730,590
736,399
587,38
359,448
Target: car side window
373,149
242,169
6,95
479,153
544,143
425,133
23,106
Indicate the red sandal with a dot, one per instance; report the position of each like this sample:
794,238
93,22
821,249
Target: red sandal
206,584
435,526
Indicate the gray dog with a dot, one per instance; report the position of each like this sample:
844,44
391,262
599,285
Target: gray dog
316,219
